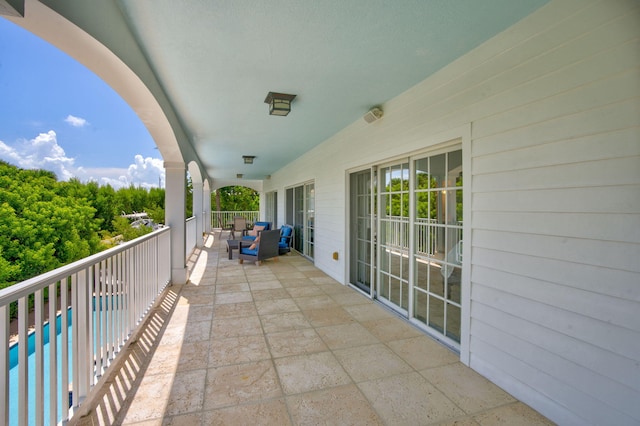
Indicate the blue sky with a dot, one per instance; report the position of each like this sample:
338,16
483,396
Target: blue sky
57,115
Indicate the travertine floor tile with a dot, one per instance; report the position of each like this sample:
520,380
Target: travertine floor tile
151,398
422,352
235,384
187,392
275,323
276,306
265,285
328,316
295,342
469,390
266,413
305,291
346,335
368,312
387,329
408,399
270,294
235,297
371,362
516,414
234,327
237,350
306,373
234,310
191,355
343,405
308,303
232,288
196,331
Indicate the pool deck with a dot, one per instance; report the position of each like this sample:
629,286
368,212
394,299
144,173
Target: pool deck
285,344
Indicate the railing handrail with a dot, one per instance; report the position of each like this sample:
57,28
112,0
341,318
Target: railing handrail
24,288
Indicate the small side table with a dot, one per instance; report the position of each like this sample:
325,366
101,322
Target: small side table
231,245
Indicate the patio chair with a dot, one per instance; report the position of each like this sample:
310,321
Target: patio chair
266,247
257,228
286,235
240,225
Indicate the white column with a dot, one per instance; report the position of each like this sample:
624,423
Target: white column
198,212
174,204
206,201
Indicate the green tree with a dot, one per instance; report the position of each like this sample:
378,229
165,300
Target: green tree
236,198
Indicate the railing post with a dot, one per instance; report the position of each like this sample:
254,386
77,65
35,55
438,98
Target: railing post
39,346
4,364
23,361
53,351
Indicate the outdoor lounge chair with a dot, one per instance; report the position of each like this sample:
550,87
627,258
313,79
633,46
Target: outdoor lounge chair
239,225
286,235
266,247
257,228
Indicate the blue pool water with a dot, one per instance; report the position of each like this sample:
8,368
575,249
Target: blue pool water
13,373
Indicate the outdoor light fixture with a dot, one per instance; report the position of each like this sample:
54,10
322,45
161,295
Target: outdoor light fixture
239,175
279,103
248,159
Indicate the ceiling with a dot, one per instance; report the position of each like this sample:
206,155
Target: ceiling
217,60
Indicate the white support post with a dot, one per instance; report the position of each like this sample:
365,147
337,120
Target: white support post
206,201
198,213
175,217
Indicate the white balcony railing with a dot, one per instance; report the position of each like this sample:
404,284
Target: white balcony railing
191,238
223,219
100,301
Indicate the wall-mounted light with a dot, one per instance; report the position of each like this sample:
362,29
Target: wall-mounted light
373,114
248,159
279,103
239,175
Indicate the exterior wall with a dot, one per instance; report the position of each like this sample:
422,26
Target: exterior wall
553,104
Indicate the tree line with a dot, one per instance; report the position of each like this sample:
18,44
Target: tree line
46,223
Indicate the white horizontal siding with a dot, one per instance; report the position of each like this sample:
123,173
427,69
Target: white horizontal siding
553,104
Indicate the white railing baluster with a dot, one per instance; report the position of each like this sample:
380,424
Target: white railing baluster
75,320
39,347
96,290
53,351
64,344
4,364
23,361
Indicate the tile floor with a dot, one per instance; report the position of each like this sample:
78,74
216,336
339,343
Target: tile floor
284,344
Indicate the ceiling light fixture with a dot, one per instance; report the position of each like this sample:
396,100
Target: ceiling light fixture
248,159
279,103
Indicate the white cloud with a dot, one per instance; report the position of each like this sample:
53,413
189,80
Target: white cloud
76,121
43,152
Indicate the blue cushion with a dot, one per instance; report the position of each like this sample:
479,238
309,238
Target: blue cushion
252,252
267,225
286,232
249,238
283,245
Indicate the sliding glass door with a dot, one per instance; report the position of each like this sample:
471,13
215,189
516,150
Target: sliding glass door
300,208
410,234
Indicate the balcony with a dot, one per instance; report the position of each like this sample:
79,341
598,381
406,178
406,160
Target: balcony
281,344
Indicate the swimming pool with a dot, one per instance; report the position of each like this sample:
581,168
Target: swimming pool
13,372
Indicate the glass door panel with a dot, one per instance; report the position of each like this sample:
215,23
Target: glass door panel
438,242
393,231
309,203
360,230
